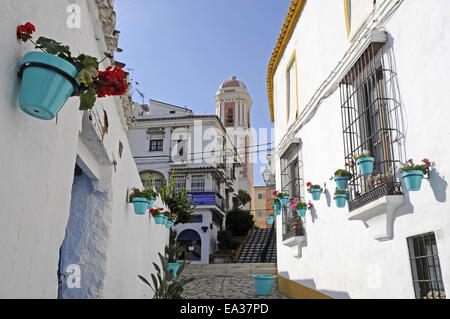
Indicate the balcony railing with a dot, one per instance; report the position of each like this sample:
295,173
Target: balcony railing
379,190
207,198
292,224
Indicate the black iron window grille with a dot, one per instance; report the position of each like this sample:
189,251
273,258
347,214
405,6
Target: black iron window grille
156,145
425,267
292,183
369,111
292,224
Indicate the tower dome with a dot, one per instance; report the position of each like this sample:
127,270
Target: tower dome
233,83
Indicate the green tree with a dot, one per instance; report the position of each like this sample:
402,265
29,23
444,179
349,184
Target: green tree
239,222
177,201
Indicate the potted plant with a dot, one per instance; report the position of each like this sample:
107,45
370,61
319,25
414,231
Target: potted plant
172,252
139,200
158,215
270,218
341,177
283,198
276,204
300,206
340,197
50,76
315,190
171,220
166,215
365,162
151,196
413,173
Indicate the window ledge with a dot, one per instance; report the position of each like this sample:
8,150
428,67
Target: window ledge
379,215
296,241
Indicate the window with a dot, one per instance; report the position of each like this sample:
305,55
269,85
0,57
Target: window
291,85
425,267
292,183
156,145
260,195
369,116
180,181
356,13
230,119
260,214
197,183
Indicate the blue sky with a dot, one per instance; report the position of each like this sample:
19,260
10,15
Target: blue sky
182,50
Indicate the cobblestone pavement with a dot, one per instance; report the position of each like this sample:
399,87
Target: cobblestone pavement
227,286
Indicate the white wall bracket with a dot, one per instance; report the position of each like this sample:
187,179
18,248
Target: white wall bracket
296,243
379,215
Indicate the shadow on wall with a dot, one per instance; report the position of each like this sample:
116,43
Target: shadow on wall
310,283
327,196
438,185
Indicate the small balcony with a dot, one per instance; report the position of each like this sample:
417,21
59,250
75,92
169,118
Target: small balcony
293,232
207,198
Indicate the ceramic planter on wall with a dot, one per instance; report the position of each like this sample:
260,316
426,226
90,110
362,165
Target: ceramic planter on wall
301,212
159,219
140,205
277,208
47,82
270,219
341,182
365,165
340,200
413,179
284,200
151,203
315,193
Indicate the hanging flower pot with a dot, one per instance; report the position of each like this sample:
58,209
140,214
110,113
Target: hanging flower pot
47,82
341,177
340,198
174,267
301,212
151,202
315,190
168,224
284,200
413,179
277,208
413,173
270,219
50,77
140,205
159,219
157,215
365,164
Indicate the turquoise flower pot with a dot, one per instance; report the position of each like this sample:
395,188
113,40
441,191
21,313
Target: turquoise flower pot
341,182
169,224
159,219
365,165
165,219
44,91
315,193
140,205
340,200
284,200
413,179
151,203
174,267
277,208
301,212
270,219
263,284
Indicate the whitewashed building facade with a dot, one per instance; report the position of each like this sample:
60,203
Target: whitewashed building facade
168,140
66,227
347,76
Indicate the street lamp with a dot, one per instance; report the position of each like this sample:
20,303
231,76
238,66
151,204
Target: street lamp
266,175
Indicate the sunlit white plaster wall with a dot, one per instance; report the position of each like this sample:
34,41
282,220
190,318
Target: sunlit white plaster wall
340,258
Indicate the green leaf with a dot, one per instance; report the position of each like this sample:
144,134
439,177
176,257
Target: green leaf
88,68
144,280
87,99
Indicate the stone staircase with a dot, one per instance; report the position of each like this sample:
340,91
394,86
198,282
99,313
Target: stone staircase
255,244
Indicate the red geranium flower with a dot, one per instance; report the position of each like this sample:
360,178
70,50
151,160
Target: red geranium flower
161,209
308,184
24,31
274,193
111,82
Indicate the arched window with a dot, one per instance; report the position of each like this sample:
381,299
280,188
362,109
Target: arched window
230,119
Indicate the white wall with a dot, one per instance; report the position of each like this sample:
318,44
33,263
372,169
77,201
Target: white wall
340,258
37,172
